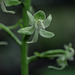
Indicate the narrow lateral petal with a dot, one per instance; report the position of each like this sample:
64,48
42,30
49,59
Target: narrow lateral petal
48,21
31,18
46,34
26,30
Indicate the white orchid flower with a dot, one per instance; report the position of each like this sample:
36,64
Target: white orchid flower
62,59
38,22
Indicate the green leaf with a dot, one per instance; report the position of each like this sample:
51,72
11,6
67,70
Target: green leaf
48,21
46,34
39,15
26,30
12,2
31,18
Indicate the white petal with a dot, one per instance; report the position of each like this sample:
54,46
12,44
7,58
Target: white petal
48,21
31,18
4,8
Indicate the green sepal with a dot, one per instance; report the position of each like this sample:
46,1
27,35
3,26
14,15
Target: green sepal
39,15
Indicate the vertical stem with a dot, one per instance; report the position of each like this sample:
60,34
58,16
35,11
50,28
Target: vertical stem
24,47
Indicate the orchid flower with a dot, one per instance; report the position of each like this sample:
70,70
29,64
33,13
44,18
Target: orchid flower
8,3
62,59
38,22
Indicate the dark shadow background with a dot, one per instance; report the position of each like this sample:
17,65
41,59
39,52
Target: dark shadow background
63,25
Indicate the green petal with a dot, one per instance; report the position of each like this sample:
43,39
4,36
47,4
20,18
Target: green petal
26,30
35,37
31,18
46,34
48,21
12,2
39,15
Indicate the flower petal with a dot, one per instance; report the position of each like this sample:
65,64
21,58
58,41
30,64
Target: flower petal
35,37
26,30
48,21
31,18
46,34
4,8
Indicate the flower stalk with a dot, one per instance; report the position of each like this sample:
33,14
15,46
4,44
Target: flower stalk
24,46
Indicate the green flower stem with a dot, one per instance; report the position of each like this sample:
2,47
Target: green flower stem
46,54
24,46
6,29
16,25
57,51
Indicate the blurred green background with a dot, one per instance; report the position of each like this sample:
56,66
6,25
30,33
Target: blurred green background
63,25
